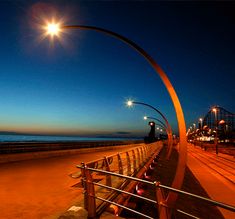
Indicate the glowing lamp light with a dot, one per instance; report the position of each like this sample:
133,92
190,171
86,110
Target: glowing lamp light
129,103
145,117
146,176
200,119
139,191
114,209
214,110
221,122
53,29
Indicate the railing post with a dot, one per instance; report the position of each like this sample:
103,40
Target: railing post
91,205
128,160
138,154
120,166
107,168
142,154
163,209
145,152
134,159
84,184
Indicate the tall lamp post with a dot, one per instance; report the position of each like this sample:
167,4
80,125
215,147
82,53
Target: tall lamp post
200,120
169,149
180,170
216,131
201,131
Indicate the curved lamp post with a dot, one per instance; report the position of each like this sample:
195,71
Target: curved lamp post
169,149
160,124
160,128
130,103
180,170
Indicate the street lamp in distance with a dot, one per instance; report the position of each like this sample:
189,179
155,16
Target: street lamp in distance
216,131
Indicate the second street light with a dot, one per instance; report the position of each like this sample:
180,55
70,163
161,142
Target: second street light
181,165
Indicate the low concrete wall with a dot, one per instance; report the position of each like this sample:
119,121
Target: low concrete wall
5,158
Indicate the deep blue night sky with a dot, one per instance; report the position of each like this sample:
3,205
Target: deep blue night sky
80,86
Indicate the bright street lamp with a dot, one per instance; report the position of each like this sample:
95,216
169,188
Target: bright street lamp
129,103
53,29
180,170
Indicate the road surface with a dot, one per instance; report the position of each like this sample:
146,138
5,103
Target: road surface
42,188
216,175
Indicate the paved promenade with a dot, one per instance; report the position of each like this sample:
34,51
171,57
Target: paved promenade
216,175
42,188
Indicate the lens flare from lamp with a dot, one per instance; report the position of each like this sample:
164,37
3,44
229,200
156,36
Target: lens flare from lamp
53,29
129,103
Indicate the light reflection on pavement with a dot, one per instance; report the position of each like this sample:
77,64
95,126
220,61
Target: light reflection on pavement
41,188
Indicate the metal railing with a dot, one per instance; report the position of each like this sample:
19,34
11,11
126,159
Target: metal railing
91,196
112,180
127,163
134,162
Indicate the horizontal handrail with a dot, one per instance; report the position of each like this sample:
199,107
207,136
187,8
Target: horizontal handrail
112,155
122,206
122,191
116,174
157,184
185,213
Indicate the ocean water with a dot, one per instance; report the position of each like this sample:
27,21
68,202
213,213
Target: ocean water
44,138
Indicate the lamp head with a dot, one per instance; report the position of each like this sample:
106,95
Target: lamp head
221,122
129,103
214,110
53,29
145,117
